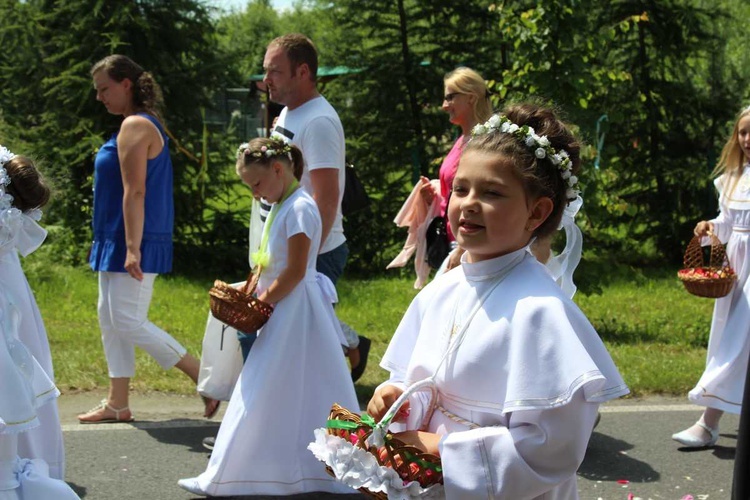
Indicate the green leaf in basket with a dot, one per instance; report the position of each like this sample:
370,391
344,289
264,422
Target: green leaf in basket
368,420
344,424
341,424
423,463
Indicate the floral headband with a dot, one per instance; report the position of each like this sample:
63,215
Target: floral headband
540,145
278,148
6,199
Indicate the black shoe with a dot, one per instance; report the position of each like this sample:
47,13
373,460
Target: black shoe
209,442
364,351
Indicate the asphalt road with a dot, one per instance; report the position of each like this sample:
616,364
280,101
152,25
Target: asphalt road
630,453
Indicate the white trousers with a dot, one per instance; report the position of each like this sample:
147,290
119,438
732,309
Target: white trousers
123,319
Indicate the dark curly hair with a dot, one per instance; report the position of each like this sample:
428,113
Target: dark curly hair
27,186
540,177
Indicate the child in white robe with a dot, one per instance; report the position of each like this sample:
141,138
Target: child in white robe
720,388
31,446
519,370
295,370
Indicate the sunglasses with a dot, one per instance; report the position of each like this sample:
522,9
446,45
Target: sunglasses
451,96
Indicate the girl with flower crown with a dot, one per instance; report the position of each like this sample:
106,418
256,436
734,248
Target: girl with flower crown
720,388
518,370
32,461
295,370
467,102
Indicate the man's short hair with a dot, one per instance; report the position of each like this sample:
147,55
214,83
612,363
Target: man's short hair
300,50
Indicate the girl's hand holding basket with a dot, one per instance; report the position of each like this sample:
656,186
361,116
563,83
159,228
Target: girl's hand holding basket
703,228
712,281
239,308
360,452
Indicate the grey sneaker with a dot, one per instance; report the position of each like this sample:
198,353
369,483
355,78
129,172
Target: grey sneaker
209,442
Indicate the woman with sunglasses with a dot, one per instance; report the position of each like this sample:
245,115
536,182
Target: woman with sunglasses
467,102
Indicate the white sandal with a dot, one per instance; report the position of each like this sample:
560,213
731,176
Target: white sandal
688,440
89,418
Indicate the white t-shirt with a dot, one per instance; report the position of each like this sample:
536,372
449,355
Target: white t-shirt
316,129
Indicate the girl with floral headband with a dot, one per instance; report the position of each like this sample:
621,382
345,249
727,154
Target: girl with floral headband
720,388
295,370
518,369
29,421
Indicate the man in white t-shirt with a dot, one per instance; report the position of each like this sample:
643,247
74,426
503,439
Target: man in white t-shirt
310,122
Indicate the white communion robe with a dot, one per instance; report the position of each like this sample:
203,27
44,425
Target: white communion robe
522,388
24,390
21,234
722,383
293,374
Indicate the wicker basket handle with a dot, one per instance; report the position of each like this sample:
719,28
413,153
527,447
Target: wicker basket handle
378,432
251,282
694,253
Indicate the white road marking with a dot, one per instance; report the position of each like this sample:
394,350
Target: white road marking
176,424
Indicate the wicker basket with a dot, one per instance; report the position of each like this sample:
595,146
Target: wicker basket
409,462
712,281
239,308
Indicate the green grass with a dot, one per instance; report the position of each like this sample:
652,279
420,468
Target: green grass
654,330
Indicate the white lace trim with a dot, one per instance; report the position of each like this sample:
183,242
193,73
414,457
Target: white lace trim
357,468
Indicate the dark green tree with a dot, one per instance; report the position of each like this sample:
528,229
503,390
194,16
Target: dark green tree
667,119
390,106
63,123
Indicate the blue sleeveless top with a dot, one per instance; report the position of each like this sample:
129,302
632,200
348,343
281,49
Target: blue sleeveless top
108,249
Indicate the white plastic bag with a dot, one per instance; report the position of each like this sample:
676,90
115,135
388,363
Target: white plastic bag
221,360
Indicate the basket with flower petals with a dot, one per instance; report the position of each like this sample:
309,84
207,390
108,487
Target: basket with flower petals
239,307
361,453
712,281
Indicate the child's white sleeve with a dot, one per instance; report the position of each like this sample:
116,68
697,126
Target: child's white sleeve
399,355
722,224
538,452
722,228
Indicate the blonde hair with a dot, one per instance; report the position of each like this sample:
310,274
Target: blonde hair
265,150
732,158
467,81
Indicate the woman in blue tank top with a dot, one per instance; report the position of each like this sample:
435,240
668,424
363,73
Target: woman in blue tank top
133,224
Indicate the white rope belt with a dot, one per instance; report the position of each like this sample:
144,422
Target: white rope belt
741,229
457,419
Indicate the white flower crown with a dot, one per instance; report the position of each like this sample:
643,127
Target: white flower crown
539,144
281,148
6,199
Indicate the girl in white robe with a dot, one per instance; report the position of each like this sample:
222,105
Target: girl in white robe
25,389
22,193
31,446
519,370
720,388
295,370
